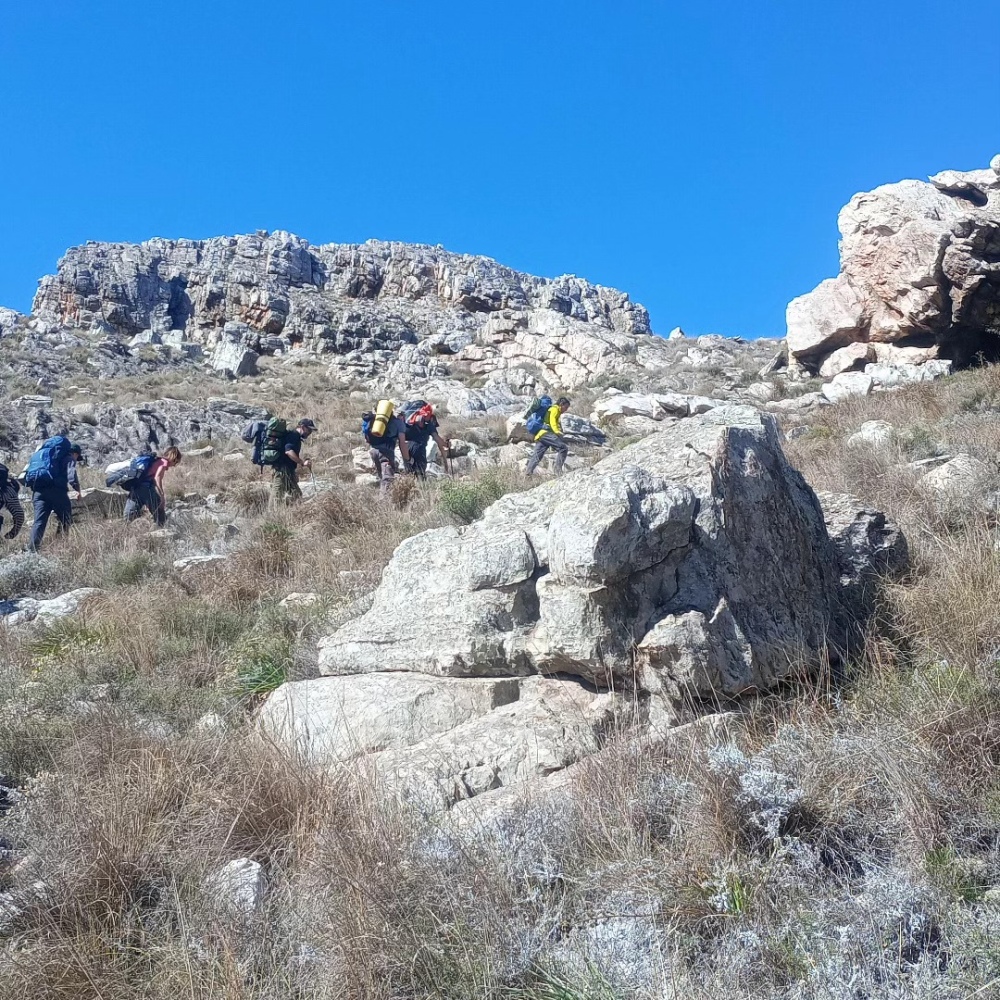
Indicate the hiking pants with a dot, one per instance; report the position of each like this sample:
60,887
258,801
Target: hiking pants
49,500
385,469
141,495
542,445
418,459
285,484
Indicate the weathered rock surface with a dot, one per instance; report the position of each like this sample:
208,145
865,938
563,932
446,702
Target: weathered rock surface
699,543
335,718
552,724
28,611
108,431
919,268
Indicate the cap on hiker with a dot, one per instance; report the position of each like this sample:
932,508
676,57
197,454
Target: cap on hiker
307,423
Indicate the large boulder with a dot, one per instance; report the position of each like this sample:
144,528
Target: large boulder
699,546
918,268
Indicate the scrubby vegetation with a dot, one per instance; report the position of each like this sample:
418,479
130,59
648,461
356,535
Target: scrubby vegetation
839,839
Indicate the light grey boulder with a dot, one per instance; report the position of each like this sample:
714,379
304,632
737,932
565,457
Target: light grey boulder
846,385
960,477
703,527
553,724
27,611
874,435
853,357
886,375
334,718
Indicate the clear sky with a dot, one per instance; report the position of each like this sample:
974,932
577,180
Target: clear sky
694,154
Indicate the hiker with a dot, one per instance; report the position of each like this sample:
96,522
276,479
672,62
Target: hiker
550,436
283,452
383,431
421,426
51,471
147,491
9,489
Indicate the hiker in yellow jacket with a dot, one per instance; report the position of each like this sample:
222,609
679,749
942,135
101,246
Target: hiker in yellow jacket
550,436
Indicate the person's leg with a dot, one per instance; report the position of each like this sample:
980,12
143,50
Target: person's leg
284,487
150,499
133,506
418,459
63,507
40,504
561,451
541,446
386,469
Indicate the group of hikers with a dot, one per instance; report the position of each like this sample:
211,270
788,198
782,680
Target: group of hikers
52,470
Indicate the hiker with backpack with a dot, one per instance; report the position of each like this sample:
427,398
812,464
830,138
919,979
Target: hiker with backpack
9,490
547,432
421,426
383,431
145,487
51,472
283,452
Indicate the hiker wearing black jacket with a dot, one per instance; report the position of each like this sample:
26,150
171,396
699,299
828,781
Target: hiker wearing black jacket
285,484
421,426
53,498
9,498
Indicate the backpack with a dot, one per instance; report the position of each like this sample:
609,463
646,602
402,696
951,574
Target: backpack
273,450
128,474
253,434
535,414
382,413
47,466
414,410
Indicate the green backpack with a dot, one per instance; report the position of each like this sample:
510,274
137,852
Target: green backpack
275,432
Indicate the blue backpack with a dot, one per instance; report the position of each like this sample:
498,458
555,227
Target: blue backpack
534,416
135,472
47,466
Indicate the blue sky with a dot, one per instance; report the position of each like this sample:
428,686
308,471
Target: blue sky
693,154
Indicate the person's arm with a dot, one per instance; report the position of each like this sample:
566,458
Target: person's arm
293,457
555,425
404,448
161,471
73,478
443,443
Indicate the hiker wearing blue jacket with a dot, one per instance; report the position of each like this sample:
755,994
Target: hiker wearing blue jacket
51,473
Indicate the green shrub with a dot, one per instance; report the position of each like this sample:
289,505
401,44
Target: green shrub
465,502
129,570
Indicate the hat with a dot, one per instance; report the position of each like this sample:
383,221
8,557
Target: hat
306,422
75,448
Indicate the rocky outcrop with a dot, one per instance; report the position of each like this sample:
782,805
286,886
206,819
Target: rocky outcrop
693,563
364,303
919,277
107,431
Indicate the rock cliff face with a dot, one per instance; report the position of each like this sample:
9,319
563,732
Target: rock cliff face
919,277
362,303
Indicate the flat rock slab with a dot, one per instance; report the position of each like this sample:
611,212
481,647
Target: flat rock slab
335,718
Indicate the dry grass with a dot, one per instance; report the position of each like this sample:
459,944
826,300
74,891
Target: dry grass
830,842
